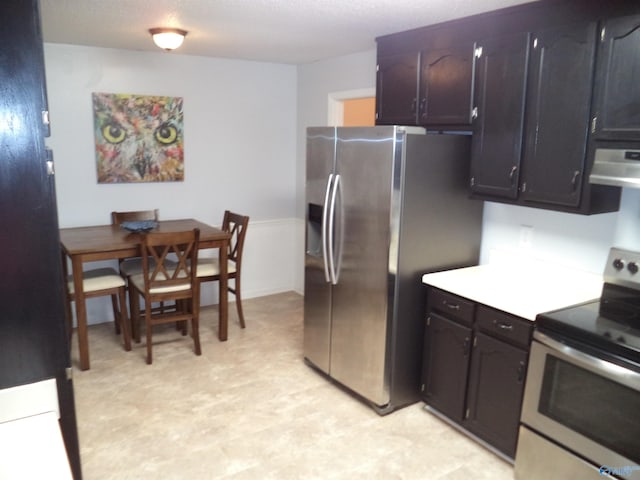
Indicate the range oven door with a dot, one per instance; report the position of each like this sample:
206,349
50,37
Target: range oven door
585,403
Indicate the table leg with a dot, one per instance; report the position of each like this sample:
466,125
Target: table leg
67,303
223,306
81,313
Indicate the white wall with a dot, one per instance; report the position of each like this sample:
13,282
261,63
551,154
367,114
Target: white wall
240,149
576,241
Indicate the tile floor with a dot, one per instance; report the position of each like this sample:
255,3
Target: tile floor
250,408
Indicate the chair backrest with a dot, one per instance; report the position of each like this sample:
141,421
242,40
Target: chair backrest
162,274
118,218
235,224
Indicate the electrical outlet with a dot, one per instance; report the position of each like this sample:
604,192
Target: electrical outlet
526,236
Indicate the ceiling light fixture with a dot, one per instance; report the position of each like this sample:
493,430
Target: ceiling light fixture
168,38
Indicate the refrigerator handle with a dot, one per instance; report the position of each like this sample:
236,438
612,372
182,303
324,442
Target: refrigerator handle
331,236
324,236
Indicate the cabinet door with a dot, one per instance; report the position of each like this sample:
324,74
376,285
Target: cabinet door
496,384
501,77
33,344
617,115
397,89
558,114
446,85
445,365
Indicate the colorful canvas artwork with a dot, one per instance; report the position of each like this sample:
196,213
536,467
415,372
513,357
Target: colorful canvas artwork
139,138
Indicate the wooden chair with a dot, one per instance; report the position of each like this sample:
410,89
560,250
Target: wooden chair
98,283
209,268
162,281
132,266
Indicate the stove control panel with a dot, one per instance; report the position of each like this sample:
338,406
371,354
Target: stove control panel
622,268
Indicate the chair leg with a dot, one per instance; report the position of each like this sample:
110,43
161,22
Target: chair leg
236,291
116,313
134,319
194,307
123,319
196,334
134,301
147,317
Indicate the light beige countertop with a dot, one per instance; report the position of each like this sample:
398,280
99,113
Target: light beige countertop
524,288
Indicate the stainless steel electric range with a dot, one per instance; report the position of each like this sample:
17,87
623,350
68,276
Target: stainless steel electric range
581,408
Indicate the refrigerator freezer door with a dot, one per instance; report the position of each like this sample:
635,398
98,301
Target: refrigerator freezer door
317,289
365,163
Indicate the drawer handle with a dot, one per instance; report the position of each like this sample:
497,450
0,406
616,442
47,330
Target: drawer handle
451,306
503,325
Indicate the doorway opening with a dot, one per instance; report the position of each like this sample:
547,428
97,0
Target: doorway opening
352,108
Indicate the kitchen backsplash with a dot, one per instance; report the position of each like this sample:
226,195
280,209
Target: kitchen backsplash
571,240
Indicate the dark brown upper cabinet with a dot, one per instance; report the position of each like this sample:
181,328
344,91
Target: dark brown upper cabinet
501,78
397,89
429,87
446,85
539,85
531,133
558,110
617,106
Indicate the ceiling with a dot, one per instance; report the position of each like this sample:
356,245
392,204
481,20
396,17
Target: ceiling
279,31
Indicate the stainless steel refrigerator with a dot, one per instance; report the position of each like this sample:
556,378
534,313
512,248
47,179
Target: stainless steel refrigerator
384,206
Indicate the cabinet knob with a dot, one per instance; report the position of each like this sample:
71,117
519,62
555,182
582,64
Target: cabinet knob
503,326
574,180
422,110
451,306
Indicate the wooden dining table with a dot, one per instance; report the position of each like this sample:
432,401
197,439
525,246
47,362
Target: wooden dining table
111,242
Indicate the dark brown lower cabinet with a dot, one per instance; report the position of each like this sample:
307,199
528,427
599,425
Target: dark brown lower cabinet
496,381
474,365
446,343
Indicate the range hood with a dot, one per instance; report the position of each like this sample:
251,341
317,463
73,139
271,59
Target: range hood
616,166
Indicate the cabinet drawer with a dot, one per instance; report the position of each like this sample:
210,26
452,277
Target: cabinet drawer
454,307
502,325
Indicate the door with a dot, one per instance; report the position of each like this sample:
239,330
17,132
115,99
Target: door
496,386
445,369
446,85
317,287
365,165
33,340
496,147
617,115
397,89
558,113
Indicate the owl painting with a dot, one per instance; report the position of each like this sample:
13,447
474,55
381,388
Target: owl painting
138,138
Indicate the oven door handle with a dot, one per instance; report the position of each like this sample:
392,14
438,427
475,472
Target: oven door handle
595,364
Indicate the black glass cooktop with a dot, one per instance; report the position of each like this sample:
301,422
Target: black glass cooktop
611,324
